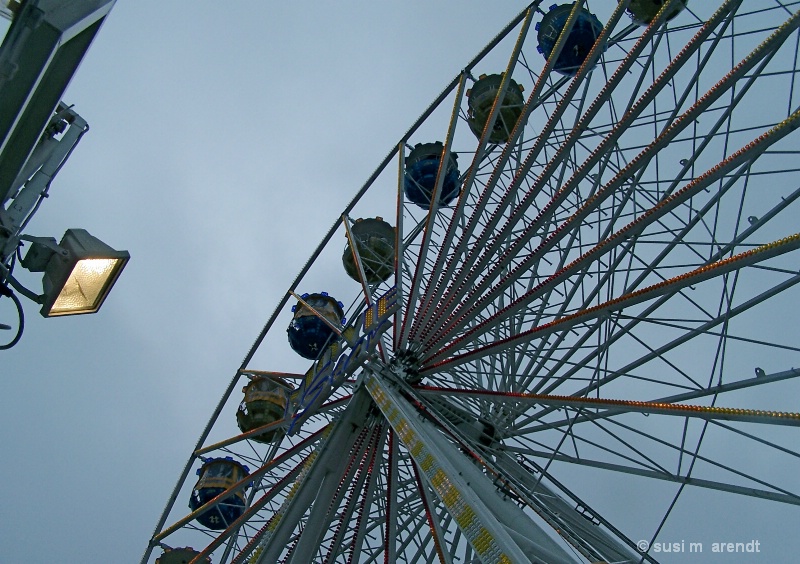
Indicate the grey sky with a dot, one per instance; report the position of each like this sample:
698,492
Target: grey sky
226,138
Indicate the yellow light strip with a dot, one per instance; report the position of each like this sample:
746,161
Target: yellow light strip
687,410
701,274
464,515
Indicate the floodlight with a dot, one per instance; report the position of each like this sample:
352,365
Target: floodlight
79,280
40,52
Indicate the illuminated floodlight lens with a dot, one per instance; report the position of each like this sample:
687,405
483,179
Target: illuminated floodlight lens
79,281
86,286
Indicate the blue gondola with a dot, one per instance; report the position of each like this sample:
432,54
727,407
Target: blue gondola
579,42
216,476
422,165
308,334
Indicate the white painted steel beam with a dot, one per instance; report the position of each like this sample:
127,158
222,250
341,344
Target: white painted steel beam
498,530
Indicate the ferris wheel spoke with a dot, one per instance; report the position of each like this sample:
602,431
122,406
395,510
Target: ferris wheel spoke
369,505
407,252
360,489
742,159
760,380
614,446
437,535
719,334
623,456
488,250
629,406
480,153
701,183
791,499
768,444
595,313
486,194
681,451
444,161
541,142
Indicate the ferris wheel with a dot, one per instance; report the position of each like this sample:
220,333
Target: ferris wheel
571,282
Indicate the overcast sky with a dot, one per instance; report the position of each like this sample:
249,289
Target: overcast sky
225,139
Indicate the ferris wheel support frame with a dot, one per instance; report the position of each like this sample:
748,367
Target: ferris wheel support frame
578,527
495,528
318,484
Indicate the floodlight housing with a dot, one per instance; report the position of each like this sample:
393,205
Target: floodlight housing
79,280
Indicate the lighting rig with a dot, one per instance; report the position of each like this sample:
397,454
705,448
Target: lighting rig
41,51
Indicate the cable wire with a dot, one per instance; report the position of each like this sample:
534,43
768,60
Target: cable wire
6,291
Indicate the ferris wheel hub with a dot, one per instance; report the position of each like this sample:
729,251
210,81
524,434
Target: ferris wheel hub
405,364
